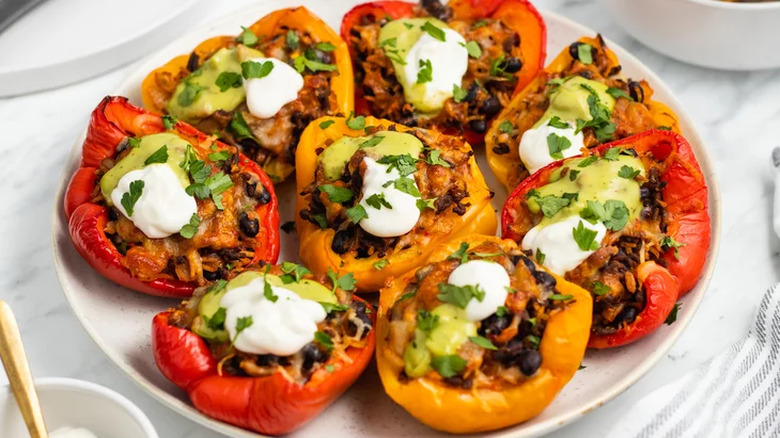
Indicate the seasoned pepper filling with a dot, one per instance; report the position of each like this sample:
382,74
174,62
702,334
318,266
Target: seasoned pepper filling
258,93
585,105
474,320
280,318
399,62
595,222
388,191
219,234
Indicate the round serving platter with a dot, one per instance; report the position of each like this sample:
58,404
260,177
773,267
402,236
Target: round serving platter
119,320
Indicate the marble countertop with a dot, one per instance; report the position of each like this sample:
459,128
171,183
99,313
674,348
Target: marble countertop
737,113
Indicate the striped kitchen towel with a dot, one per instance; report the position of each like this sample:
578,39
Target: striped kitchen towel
736,394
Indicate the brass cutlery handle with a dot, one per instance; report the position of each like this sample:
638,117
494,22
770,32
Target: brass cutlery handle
16,366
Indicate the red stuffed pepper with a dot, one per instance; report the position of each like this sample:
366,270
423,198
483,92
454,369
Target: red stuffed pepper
268,350
629,222
452,67
161,208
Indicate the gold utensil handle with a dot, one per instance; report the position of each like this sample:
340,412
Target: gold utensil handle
15,363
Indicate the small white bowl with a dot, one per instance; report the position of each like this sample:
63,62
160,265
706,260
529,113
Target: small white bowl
709,33
76,403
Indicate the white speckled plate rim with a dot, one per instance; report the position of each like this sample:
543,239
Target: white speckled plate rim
549,420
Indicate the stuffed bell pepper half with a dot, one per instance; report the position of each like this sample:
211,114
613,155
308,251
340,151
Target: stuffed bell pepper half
580,100
480,336
161,208
627,221
268,350
446,66
260,89
374,197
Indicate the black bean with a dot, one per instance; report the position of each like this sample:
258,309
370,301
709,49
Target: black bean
249,226
361,311
529,264
340,241
529,362
490,106
193,61
437,9
544,279
210,276
265,360
509,352
494,324
512,64
112,216
478,125
312,355
260,194
628,314
471,94
636,91
501,149
459,381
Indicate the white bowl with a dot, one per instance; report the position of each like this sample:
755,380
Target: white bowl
709,33
76,403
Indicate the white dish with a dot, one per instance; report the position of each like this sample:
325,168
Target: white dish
710,33
76,403
119,320
87,44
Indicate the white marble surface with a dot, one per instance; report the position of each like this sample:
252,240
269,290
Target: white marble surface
736,113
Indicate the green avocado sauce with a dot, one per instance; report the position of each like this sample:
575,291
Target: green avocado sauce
452,331
199,95
134,160
337,155
569,101
598,181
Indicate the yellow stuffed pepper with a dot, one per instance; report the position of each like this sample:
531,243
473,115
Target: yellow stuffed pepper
375,197
259,90
479,338
578,101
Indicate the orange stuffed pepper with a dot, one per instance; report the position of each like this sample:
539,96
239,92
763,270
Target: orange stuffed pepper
260,89
480,337
579,100
374,196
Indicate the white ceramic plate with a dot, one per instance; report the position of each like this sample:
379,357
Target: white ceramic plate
119,320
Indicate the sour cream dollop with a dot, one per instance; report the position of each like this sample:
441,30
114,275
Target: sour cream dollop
489,277
70,432
267,95
535,152
281,328
387,222
556,241
449,61
163,207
